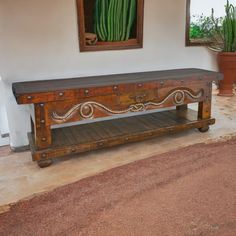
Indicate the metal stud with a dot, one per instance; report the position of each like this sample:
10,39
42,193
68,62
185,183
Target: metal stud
61,94
115,87
42,105
42,121
86,91
43,139
140,85
29,97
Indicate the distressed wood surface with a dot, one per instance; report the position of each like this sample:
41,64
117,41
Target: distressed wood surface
64,101
105,81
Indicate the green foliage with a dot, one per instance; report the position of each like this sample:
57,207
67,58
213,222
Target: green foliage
202,28
114,19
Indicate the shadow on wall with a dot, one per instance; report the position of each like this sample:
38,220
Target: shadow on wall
14,119
4,129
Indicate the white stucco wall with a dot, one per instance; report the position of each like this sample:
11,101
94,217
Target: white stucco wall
38,40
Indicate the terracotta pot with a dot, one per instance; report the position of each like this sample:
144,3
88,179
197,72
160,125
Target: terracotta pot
227,65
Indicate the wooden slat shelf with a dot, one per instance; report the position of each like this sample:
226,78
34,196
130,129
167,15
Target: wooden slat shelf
96,135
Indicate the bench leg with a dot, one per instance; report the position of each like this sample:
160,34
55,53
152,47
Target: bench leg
204,112
45,163
41,130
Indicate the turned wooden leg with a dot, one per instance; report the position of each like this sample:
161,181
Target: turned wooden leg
204,112
204,129
45,163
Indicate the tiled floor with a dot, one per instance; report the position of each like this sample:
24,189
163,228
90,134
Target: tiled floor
21,178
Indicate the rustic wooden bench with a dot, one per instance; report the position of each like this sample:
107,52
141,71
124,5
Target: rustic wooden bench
70,100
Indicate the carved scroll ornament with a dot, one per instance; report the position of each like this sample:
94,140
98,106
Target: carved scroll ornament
86,110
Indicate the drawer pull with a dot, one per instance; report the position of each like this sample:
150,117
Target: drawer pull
61,94
29,97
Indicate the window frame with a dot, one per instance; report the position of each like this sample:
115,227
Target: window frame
103,46
188,41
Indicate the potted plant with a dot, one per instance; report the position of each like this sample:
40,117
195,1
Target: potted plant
225,44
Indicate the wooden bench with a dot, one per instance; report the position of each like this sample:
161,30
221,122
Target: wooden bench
70,100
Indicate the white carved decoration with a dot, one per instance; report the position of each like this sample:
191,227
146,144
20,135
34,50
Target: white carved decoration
86,109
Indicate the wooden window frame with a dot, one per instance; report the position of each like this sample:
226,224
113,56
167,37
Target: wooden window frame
102,46
188,41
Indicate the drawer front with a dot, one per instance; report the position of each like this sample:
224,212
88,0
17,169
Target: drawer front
46,97
141,96
115,89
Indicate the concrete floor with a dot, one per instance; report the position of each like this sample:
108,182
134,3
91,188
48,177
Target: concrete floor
21,178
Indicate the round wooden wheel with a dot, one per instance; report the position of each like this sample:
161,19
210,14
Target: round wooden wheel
45,163
204,129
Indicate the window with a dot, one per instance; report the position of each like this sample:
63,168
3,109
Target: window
196,19
110,24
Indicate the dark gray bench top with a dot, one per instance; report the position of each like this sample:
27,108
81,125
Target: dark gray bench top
106,80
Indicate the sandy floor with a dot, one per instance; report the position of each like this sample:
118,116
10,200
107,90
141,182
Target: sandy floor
191,191
21,178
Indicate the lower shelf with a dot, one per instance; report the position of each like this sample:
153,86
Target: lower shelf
87,137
